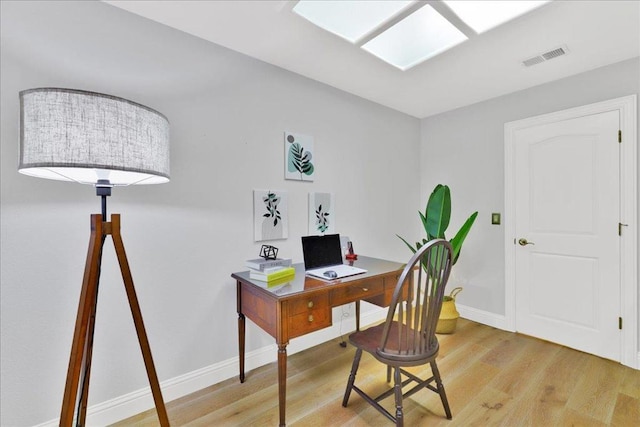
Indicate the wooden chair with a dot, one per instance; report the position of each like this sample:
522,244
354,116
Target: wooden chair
407,337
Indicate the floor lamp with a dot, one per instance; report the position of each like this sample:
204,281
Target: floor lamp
104,141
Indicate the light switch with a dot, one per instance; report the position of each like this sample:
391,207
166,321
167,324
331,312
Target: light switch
495,218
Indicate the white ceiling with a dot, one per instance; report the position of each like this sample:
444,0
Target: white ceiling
596,33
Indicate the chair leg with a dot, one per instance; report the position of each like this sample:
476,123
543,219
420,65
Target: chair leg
388,373
398,393
352,376
441,392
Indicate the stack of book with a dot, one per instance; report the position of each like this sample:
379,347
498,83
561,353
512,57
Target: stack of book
270,270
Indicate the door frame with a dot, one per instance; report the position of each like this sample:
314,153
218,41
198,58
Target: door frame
626,106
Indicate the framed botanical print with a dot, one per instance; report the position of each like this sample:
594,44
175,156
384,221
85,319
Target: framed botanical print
322,218
298,157
270,215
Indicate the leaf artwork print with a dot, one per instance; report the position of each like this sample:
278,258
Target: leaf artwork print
322,219
271,202
299,157
322,213
270,215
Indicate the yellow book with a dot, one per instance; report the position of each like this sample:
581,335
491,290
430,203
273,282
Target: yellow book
271,275
277,283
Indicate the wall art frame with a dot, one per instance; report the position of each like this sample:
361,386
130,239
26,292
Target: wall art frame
322,218
299,164
270,215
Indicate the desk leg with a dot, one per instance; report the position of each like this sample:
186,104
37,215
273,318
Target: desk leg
358,315
241,328
282,381
241,323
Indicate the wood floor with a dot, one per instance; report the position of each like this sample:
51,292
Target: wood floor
492,378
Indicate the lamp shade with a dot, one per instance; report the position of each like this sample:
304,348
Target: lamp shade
80,136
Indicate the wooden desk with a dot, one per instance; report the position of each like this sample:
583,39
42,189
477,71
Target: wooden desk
304,305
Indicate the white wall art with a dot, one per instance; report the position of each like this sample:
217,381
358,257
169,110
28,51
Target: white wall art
298,157
270,215
322,217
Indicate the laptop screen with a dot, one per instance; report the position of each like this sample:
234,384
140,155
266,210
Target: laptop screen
321,251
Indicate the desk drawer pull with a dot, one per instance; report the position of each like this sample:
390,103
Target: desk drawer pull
310,305
365,289
310,318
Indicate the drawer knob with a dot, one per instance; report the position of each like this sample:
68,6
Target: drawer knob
310,305
310,318
365,289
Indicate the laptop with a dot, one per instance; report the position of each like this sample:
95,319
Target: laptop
323,258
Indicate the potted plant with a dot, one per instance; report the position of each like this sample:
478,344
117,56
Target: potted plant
435,221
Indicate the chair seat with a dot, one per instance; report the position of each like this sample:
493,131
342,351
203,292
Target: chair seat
397,352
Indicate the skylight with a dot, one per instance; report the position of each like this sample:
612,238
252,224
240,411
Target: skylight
349,19
484,15
421,35
406,33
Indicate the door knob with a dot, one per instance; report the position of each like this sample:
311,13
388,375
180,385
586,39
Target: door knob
525,242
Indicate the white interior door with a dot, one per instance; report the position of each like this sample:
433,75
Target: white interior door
567,209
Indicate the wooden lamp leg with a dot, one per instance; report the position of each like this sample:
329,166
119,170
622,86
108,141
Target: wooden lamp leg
86,372
137,320
82,344
88,296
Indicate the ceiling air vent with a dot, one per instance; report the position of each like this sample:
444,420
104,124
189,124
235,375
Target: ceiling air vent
553,53
533,61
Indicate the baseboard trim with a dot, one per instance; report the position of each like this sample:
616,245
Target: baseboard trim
484,317
138,401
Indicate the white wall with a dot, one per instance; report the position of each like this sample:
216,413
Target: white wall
465,149
183,239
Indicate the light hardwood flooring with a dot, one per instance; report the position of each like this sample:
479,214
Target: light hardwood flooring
492,378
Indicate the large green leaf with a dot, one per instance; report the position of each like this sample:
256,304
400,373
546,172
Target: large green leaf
408,245
438,212
424,220
458,239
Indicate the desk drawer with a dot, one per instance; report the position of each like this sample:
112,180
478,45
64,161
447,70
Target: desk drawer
384,299
360,291
305,305
308,314
312,320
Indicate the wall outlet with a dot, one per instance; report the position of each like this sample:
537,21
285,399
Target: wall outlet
495,218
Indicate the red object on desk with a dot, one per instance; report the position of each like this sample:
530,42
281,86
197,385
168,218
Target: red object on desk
350,255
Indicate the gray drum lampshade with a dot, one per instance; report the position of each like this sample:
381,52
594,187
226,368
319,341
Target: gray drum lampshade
80,136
